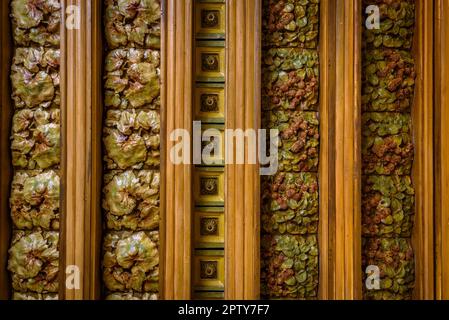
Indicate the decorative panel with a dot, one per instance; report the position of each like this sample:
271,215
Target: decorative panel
242,241
290,202
442,149
131,138
208,186
209,177
209,102
388,196
209,224
35,145
210,19
177,94
208,270
210,61
86,116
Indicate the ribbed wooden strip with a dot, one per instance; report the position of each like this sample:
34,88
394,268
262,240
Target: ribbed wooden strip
94,103
442,149
242,181
178,207
422,114
327,93
75,158
347,152
82,153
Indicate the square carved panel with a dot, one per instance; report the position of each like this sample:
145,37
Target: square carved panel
210,61
209,186
209,228
208,270
210,20
209,103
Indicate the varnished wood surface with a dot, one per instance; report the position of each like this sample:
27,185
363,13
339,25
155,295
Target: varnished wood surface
94,103
340,266
422,127
326,240
243,105
441,114
76,145
64,232
347,151
177,180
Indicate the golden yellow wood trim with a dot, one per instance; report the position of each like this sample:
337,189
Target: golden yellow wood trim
76,142
178,99
442,148
422,113
83,220
163,115
93,179
5,160
327,106
347,151
242,181
66,234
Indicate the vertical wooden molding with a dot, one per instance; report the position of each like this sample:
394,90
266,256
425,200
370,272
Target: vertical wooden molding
77,146
94,103
82,163
177,98
93,25
64,231
163,156
327,107
422,113
442,149
5,159
347,151
243,105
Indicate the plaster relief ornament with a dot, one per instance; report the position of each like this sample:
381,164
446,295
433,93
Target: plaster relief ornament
133,23
388,80
36,22
35,148
397,20
131,200
394,257
34,296
291,23
35,200
132,296
35,78
290,80
388,83
290,204
131,262
132,79
289,267
387,206
387,146
132,139
35,140
34,261
298,139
